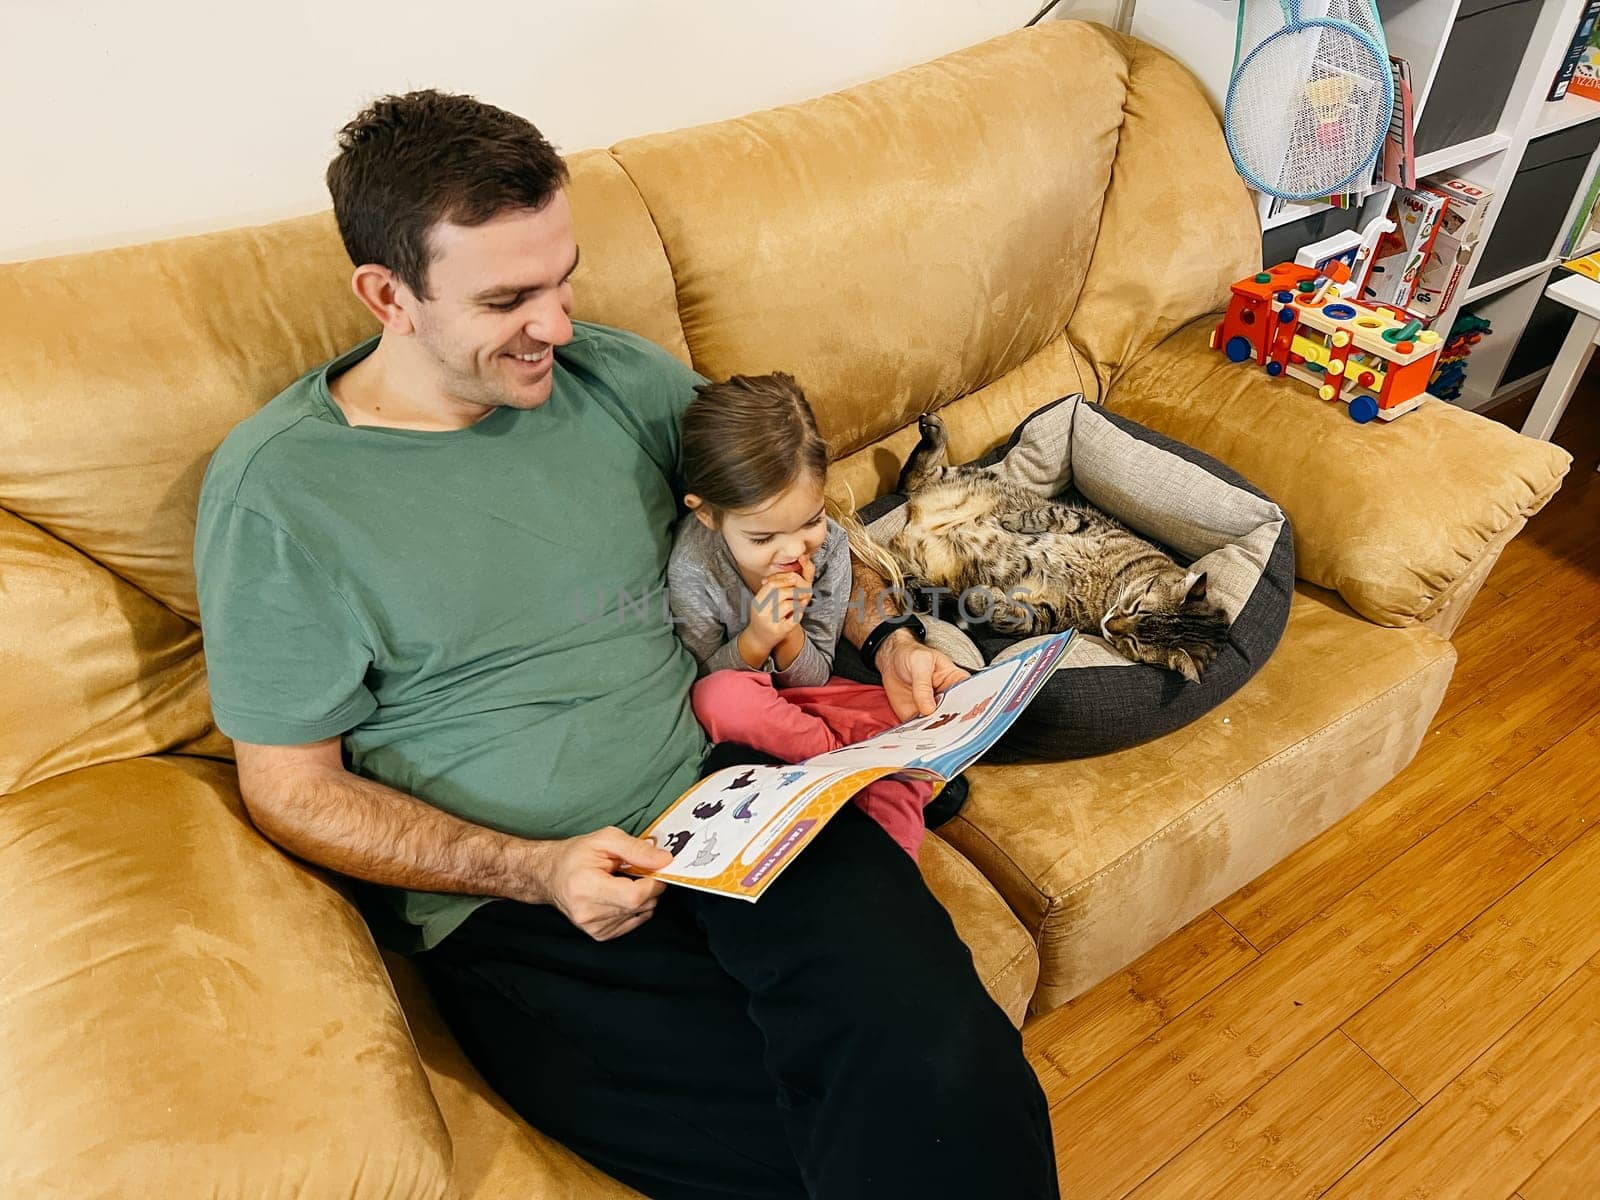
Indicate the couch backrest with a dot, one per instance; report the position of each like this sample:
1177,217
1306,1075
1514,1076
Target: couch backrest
1177,226
899,244
925,237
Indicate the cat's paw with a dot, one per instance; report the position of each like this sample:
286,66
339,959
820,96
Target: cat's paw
927,457
1192,661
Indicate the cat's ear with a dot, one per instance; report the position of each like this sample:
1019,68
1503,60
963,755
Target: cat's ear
1184,665
1196,585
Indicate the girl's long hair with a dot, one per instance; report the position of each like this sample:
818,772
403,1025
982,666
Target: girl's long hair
751,437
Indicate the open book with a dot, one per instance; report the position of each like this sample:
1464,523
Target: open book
735,831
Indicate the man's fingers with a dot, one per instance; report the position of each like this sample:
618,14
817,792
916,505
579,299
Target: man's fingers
625,893
643,891
603,929
612,930
634,851
919,668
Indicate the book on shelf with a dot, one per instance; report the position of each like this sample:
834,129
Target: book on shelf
1575,52
1588,266
1584,221
1398,162
1585,78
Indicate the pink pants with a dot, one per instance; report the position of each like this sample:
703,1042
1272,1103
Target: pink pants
796,723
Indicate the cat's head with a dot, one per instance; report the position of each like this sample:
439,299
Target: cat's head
1167,620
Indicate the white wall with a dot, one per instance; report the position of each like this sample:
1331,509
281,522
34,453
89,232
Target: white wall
1198,33
126,120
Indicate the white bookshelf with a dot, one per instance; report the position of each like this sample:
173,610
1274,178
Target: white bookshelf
1449,158
1564,114
1200,33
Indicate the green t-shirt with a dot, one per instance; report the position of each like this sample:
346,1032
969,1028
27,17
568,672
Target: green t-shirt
466,607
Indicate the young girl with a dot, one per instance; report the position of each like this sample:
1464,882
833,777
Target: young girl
759,580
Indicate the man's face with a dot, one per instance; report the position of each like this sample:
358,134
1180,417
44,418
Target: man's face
501,301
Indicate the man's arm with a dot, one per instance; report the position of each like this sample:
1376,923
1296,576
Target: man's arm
302,798
913,674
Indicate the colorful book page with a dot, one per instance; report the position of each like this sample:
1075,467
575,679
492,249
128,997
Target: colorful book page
734,832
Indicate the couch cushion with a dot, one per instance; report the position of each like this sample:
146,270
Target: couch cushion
976,423
1390,515
1104,857
187,1011
898,244
623,277
1178,226
1002,949
121,370
91,669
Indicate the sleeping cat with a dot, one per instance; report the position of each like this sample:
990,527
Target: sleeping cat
1049,566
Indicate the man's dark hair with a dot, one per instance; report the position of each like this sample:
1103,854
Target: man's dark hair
408,162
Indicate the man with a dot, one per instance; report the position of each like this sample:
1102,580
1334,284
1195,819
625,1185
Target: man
388,557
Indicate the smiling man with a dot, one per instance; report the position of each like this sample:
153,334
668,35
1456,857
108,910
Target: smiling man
388,555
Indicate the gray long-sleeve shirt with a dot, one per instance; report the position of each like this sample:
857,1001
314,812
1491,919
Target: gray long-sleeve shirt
711,604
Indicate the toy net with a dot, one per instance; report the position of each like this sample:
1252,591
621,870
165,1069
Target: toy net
1310,98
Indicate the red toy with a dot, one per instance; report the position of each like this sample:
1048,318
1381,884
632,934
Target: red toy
1377,360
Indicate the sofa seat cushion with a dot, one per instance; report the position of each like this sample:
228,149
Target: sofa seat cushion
497,1155
1103,857
188,1011
1212,519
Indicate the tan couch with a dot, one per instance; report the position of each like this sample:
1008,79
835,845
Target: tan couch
188,1011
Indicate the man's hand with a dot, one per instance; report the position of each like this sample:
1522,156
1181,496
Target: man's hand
913,674
304,799
579,877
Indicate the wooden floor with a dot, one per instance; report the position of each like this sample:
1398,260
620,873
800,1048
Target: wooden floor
1408,1008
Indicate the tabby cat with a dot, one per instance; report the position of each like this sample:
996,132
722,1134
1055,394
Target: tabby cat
1048,566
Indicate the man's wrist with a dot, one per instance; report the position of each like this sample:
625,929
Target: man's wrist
891,629
529,871
902,636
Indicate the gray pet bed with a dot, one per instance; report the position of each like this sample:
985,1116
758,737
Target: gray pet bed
1203,513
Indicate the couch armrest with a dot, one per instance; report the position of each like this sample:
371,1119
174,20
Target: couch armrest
187,1011
1402,519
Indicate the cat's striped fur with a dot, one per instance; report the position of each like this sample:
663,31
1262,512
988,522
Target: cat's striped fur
1048,566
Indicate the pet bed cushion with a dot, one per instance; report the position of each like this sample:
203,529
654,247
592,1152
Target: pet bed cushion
1206,515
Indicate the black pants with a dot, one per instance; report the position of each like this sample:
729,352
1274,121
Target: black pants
832,1040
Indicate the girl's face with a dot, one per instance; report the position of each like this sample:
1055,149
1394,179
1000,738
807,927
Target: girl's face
775,536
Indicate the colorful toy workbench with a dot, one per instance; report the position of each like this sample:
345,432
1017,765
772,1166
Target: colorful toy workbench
1293,322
